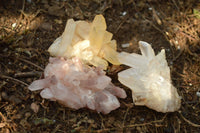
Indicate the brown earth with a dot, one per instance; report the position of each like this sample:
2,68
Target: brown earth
28,29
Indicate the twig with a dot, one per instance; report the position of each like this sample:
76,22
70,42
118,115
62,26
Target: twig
176,6
134,125
27,74
3,117
56,129
125,116
122,22
7,77
23,5
20,18
179,54
30,17
3,105
24,60
102,124
148,123
158,29
163,35
189,122
188,35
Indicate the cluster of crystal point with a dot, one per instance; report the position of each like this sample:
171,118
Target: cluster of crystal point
76,86
88,41
149,79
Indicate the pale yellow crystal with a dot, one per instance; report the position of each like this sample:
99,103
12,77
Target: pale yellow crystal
110,55
88,41
113,44
97,61
97,33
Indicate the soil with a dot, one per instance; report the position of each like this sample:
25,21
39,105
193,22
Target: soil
29,27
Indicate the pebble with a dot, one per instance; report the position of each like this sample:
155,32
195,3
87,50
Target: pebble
46,26
198,94
124,13
125,45
35,107
14,25
141,119
150,8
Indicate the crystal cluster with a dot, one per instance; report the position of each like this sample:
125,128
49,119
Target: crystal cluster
149,79
76,86
88,41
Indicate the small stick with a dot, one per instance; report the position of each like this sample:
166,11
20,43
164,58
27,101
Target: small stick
122,22
27,74
7,77
179,54
189,122
125,116
134,125
3,117
24,60
148,123
102,124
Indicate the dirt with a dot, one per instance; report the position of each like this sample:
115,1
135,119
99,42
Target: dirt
29,27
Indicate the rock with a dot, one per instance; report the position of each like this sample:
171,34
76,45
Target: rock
76,86
35,107
149,79
88,41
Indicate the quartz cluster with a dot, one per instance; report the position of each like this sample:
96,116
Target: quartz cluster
88,41
76,85
149,79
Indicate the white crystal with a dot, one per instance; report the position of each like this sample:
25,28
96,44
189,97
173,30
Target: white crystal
149,79
76,86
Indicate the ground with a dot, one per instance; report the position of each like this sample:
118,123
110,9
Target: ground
28,28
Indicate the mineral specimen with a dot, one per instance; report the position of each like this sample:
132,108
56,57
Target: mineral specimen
76,86
149,79
88,41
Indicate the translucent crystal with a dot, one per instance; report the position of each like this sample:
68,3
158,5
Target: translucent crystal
88,41
76,86
149,79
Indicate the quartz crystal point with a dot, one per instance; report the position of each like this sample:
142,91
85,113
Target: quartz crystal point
88,41
76,86
149,79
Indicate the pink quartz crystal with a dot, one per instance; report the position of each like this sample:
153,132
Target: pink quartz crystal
76,86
